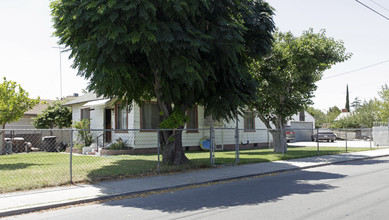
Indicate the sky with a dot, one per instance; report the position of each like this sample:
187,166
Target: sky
29,57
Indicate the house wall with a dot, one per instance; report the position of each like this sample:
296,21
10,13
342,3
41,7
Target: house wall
136,139
223,137
76,112
23,123
308,118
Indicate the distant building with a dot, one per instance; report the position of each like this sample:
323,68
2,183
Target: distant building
303,124
343,114
26,121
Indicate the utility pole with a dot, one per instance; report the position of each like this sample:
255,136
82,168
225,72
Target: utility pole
61,49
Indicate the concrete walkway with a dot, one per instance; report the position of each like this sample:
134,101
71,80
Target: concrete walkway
23,202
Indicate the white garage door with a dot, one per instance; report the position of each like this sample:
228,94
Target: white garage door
303,130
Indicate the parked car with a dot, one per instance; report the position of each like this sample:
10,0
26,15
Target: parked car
290,134
323,134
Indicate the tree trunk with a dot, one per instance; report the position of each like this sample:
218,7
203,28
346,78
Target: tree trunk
279,141
278,134
173,153
170,140
2,144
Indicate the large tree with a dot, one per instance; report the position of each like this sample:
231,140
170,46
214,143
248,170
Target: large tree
55,115
181,52
14,102
287,77
384,103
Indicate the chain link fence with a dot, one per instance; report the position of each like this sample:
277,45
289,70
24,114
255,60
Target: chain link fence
32,159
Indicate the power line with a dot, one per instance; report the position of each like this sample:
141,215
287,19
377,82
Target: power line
379,5
373,10
362,68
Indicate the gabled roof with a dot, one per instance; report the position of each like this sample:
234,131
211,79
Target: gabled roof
39,107
87,97
342,115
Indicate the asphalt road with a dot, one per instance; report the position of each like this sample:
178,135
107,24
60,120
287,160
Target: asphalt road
354,190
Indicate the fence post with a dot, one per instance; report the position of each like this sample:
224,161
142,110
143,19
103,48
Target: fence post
237,140
158,148
370,133
317,141
71,156
346,140
211,147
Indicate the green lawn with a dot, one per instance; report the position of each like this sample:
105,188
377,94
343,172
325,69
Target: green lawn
36,170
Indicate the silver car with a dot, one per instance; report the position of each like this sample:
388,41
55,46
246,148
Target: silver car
290,134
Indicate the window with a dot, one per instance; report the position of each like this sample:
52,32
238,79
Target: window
121,117
302,116
192,122
150,116
249,122
85,114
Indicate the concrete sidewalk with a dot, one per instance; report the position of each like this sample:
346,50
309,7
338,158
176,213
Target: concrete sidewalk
23,202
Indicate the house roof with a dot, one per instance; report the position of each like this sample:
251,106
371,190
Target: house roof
87,97
342,115
39,108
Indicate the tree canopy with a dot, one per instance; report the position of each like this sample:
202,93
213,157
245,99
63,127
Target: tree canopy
287,76
384,103
182,52
55,115
14,102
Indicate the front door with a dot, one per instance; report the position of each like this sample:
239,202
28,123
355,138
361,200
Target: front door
108,125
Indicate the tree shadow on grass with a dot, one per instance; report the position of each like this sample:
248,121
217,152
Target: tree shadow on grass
16,166
123,168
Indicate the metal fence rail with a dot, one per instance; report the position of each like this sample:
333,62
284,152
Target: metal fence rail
38,158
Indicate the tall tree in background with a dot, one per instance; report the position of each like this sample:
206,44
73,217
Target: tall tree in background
287,77
181,52
347,106
384,103
14,102
356,103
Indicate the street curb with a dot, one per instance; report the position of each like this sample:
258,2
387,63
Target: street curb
109,197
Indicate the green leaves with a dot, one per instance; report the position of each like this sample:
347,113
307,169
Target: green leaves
54,115
287,76
14,102
182,52
199,50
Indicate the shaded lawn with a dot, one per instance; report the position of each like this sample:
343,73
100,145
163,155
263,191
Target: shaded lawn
42,169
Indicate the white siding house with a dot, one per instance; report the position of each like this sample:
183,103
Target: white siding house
105,114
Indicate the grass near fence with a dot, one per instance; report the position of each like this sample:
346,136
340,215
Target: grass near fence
37,170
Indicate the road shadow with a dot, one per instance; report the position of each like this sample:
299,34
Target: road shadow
251,191
237,193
